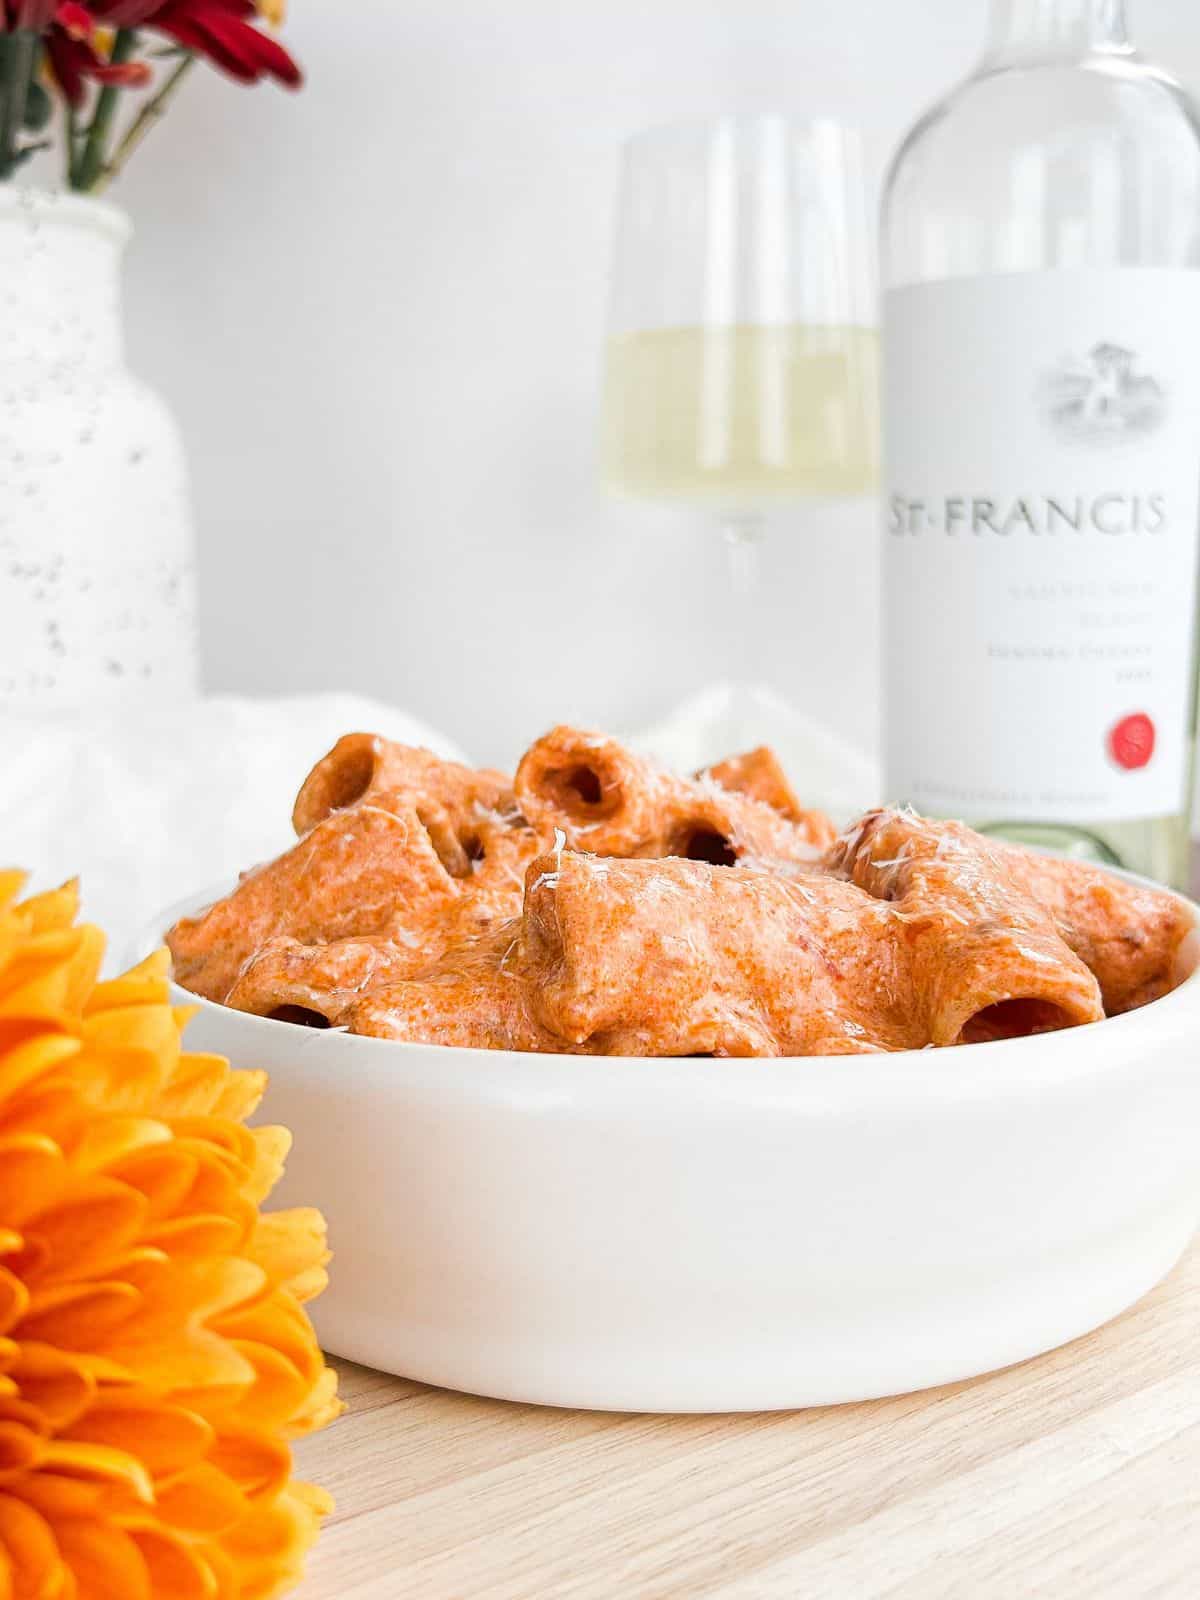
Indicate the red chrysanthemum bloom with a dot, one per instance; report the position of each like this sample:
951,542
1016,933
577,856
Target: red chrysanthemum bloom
221,30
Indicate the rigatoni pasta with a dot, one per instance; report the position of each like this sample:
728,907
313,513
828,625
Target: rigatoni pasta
608,801
599,905
984,958
457,806
363,871
389,875
678,957
1128,934
663,958
315,983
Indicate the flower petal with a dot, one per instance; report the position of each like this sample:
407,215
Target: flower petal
202,1500
53,1382
31,1549
181,1570
105,1562
164,1438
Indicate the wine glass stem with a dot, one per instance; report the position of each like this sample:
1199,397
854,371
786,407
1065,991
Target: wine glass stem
743,539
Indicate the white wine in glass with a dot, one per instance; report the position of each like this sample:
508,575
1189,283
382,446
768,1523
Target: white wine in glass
741,366
742,416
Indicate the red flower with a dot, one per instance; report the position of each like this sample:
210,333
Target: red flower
74,37
75,18
221,30
74,59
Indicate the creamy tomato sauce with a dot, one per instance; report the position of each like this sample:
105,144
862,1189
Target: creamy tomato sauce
597,904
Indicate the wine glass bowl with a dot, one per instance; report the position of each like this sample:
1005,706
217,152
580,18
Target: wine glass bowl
741,363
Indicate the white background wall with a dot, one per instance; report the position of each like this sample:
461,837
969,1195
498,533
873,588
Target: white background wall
378,310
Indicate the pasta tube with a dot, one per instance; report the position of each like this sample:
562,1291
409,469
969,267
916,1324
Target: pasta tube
451,800
1129,934
313,984
610,802
985,958
359,872
663,958
475,996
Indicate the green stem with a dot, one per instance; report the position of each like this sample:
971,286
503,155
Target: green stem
71,131
90,166
152,112
5,52
17,65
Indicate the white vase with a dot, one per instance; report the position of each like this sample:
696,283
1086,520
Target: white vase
97,589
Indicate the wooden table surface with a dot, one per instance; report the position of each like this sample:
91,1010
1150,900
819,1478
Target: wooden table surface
1076,1476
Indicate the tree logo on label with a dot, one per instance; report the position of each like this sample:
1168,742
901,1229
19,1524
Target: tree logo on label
1103,397
1131,741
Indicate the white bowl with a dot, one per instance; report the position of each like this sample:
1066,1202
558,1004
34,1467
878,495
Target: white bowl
700,1235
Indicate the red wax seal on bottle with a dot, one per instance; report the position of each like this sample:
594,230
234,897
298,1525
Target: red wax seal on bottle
1131,741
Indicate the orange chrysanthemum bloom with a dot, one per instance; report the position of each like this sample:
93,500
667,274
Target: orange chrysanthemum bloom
155,1356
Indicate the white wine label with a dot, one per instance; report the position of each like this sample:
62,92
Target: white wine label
1042,476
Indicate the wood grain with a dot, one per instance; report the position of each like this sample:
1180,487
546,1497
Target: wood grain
1076,1475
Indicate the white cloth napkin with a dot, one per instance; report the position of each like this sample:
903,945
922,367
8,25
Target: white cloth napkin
151,808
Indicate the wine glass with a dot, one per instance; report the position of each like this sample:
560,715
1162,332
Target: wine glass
741,363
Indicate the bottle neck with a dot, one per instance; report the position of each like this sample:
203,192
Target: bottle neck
1043,30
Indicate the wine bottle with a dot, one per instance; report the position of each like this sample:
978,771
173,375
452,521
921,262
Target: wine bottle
1041,352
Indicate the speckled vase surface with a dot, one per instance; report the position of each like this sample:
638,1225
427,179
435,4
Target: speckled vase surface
97,593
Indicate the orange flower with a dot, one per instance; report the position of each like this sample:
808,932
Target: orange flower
155,1356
